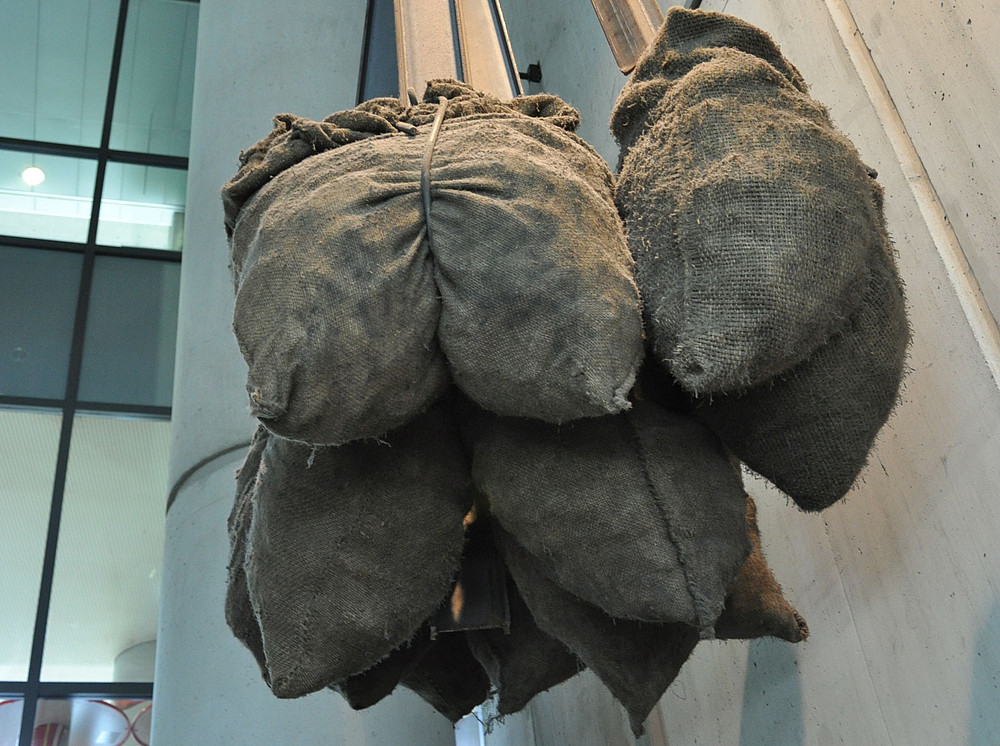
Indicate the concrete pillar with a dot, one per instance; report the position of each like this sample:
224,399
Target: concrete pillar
255,59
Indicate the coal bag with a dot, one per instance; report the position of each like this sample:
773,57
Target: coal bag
750,217
350,549
641,514
357,301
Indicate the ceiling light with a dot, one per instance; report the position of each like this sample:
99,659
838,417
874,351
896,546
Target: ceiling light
33,175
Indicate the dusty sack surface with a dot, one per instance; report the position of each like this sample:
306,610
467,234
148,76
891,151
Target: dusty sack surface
635,661
522,662
809,431
370,687
751,219
756,606
352,321
238,609
350,549
641,514
448,677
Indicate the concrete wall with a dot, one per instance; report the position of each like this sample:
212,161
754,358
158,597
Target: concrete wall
899,583
254,60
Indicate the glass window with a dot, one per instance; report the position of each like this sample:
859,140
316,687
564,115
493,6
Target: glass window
128,354
10,720
38,293
29,444
140,712
106,584
156,82
80,721
56,55
142,206
57,207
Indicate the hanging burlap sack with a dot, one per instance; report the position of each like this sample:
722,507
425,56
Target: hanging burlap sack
523,661
755,606
355,302
809,431
751,219
239,611
372,686
636,661
641,514
448,677
350,549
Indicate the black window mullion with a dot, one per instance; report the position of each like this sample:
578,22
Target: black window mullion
143,410
42,243
85,151
130,252
55,511
47,148
134,252
11,689
97,689
147,159
30,402
33,686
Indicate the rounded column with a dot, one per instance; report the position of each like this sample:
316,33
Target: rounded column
255,59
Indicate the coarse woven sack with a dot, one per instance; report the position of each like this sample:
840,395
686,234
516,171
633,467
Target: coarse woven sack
751,219
641,513
809,431
523,661
239,611
448,677
636,661
372,686
350,549
352,316
755,606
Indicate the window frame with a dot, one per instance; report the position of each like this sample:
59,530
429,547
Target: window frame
33,689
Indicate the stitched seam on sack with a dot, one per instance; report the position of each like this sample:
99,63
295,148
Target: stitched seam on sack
304,635
699,609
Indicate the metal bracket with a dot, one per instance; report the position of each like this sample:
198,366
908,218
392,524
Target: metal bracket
534,74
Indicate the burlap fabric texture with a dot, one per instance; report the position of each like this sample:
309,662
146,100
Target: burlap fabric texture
755,606
751,219
809,430
641,514
523,661
448,677
370,687
353,311
442,671
340,554
636,661
239,610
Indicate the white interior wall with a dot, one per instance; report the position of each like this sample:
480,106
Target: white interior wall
899,583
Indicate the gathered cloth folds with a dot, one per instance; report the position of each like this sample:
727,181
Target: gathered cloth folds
352,322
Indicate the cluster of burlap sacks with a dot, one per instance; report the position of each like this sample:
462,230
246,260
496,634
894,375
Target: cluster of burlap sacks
406,365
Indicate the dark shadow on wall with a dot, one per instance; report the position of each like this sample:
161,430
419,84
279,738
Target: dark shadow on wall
772,696
984,717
